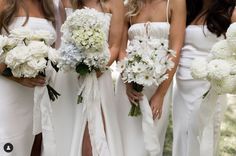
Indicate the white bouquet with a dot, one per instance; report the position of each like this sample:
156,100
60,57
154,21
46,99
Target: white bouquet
27,53
219,68
84,43
146,64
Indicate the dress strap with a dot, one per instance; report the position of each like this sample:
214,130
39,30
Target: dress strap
167,11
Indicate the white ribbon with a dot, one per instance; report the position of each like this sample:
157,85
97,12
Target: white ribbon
92,111
42,118
206,110
151,139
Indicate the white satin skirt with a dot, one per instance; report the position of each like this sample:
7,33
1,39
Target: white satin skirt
186,103
16,118
132,132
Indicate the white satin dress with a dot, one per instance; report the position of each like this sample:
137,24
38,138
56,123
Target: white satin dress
188,94
70,117
16,103
131,127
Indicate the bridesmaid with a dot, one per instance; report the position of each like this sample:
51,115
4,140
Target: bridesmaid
207,22
71,123
158,19
16,104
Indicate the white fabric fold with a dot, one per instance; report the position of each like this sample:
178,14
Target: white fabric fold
206,110
92,111
151,139
42,118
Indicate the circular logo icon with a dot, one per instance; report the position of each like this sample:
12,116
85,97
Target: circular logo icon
8,147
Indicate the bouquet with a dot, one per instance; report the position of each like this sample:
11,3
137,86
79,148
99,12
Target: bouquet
146,64
85,47
27,53
219,68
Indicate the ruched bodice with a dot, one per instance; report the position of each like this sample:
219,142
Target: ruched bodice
198,43
149,30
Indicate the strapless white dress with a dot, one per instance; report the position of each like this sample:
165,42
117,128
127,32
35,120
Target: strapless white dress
188,94
70,117
17,101
131,127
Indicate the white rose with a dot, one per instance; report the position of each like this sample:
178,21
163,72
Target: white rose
17,56
53,55
38,49
29,72
43,35
221,50
21,33
231,36
199,68
38,64
3,43
218,69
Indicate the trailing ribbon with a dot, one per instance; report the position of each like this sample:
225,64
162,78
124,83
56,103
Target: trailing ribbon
206,110
92,111
151,139
42,118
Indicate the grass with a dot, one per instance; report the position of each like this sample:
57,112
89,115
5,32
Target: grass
227,144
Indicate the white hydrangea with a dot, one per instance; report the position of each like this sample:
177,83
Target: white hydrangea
218,69
199,68
231,36
84,41
221,50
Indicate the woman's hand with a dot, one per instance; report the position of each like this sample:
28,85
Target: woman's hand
31,82
156,103
133,95
99,73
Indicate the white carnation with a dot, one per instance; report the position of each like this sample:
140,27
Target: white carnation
231,36
218,69
225,86
221,50
199,68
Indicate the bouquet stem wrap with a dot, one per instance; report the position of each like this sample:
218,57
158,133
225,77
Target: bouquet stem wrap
151,139
42,118
92,113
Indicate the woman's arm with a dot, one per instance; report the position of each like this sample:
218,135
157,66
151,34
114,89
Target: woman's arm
124,39
233,18
176,39
116,29
66,3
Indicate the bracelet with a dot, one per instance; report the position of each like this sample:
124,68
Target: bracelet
7,72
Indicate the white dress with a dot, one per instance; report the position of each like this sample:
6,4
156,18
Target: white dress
16,104
131,127
188,97
70,118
